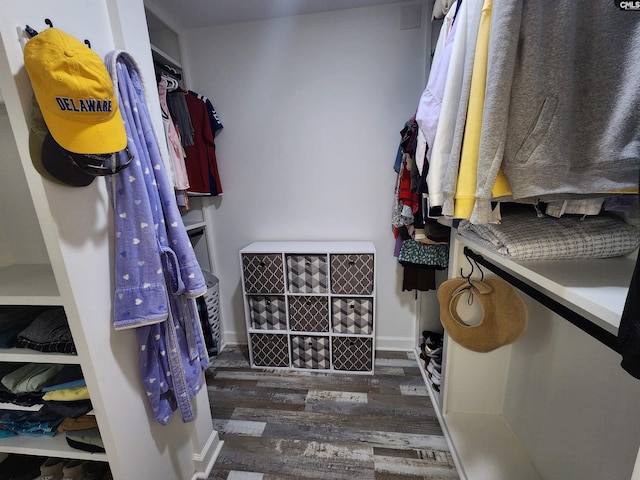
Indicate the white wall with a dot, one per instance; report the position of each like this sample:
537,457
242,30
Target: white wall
312,108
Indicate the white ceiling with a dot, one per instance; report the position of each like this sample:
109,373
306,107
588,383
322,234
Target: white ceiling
200,13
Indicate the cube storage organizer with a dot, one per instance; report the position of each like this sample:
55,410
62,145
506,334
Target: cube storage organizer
310,305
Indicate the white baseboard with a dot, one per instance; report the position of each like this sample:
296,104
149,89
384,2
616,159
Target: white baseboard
395,343
234,338
205,460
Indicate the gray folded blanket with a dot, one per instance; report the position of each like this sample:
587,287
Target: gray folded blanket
522,235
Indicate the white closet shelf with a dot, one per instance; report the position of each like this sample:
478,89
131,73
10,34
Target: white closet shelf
163,57
189,227
28,284
489,447
595,288
47,447
27,355
506,412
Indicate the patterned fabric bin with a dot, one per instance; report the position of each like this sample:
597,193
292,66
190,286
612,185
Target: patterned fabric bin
307,273
352,274
268,313
353,354
309,314
212,301
263,273
270,350
310,352
352,315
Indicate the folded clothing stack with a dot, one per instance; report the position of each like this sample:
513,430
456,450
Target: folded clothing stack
44,329
14,319
49,332
523,235
59,390
15,422
26,399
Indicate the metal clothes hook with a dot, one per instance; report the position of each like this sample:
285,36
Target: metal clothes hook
469,257
30,31
479,268
467,277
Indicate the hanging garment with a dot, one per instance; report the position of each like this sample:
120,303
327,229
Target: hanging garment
157,275
447,143
202,165
562,103
467,174
180,114
174,144
216,124
428,112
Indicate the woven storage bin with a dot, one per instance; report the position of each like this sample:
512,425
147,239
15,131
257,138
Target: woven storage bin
212,302
263,273
270,350
352,315
268,312
353,354
309,314
310,352
307,273
352,274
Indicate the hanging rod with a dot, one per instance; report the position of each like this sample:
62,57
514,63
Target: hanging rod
587,326
195,232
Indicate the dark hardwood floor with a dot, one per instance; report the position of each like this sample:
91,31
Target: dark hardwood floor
308,425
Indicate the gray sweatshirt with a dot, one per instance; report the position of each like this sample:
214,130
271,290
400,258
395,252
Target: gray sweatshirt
562,105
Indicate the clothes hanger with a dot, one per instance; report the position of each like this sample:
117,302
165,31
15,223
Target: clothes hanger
172,83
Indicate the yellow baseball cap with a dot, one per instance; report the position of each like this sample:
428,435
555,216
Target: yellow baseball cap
75,93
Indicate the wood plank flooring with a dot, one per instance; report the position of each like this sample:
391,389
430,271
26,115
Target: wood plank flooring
307,425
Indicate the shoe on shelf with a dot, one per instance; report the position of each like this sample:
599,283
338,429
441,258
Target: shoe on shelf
96,470
73,470
427,351
20,467
432,339
51,469
434,368
433,352
436,377
437,363
30,470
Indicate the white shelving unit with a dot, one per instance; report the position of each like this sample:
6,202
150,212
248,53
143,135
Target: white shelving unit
310,305
163,57
55,250
555,404
45,446
165,49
